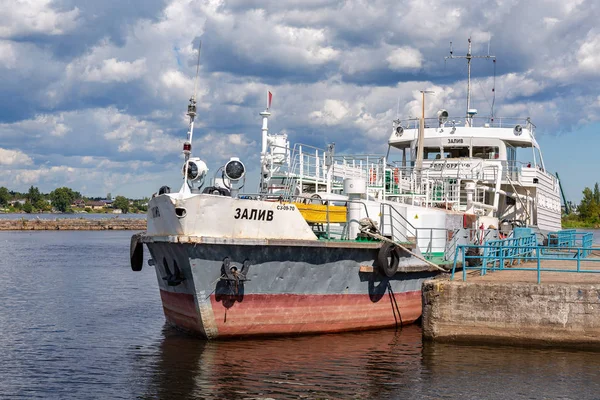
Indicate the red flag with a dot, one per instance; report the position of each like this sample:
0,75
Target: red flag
269,98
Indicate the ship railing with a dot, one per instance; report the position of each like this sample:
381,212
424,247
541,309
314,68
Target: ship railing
325,226
370,167
431,241
307,162
315,166
412,199
524,251
466,168
487,122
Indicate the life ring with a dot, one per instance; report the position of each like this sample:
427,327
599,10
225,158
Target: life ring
396,175
388,259
136,252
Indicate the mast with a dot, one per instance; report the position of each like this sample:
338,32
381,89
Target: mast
419,163
187,145
469,57
265,138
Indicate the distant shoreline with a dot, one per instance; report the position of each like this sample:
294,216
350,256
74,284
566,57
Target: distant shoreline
73,224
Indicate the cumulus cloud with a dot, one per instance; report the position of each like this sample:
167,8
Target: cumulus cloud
405,58
114,70
588,55
14,157
332,113
8,56
27,17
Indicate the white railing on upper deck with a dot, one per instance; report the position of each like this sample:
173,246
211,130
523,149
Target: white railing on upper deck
309,166
496,122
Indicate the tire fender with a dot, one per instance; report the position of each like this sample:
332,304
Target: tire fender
388,259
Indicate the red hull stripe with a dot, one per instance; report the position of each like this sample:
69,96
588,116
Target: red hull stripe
262,314
180,309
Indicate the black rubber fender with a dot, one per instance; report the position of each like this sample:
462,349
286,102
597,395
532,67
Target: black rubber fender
388,259
136,252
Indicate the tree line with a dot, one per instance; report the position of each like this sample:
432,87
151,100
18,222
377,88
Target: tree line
60,199
588,210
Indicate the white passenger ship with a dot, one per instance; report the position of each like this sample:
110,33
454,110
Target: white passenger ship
463,165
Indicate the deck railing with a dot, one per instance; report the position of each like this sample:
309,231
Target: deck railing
569,246
458,121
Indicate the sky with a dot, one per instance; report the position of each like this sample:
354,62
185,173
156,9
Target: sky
94,93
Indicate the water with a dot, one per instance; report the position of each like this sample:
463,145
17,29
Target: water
76,322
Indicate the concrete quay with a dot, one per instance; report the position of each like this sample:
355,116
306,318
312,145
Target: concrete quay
509,307
73,224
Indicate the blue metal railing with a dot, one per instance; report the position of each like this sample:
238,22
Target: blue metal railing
559,242
494,255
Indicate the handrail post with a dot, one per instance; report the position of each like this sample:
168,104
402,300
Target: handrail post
464,265
327,210
484,262
539,278
430,242
454,265
578,260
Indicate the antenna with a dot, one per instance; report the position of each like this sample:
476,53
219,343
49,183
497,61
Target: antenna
197,69
187,145
469,57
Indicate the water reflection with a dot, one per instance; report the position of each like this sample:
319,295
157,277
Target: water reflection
368,365
353,365
501,372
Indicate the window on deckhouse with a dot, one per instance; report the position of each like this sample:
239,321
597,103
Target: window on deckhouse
487,153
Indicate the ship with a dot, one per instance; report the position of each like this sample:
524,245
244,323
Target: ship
333,243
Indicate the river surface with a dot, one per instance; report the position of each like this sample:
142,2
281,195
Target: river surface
76,322
68,216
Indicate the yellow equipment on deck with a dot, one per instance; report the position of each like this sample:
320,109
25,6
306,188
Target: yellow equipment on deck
317,213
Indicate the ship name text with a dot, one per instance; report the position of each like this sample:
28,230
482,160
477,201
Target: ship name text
253,214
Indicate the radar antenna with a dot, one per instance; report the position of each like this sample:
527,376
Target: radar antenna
469,57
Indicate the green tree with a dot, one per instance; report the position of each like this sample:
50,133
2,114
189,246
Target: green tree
589,208
4,196
34,195
121,203
27,207
62,198
42,205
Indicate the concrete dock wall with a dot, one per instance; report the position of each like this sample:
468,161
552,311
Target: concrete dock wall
73,224
512,312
